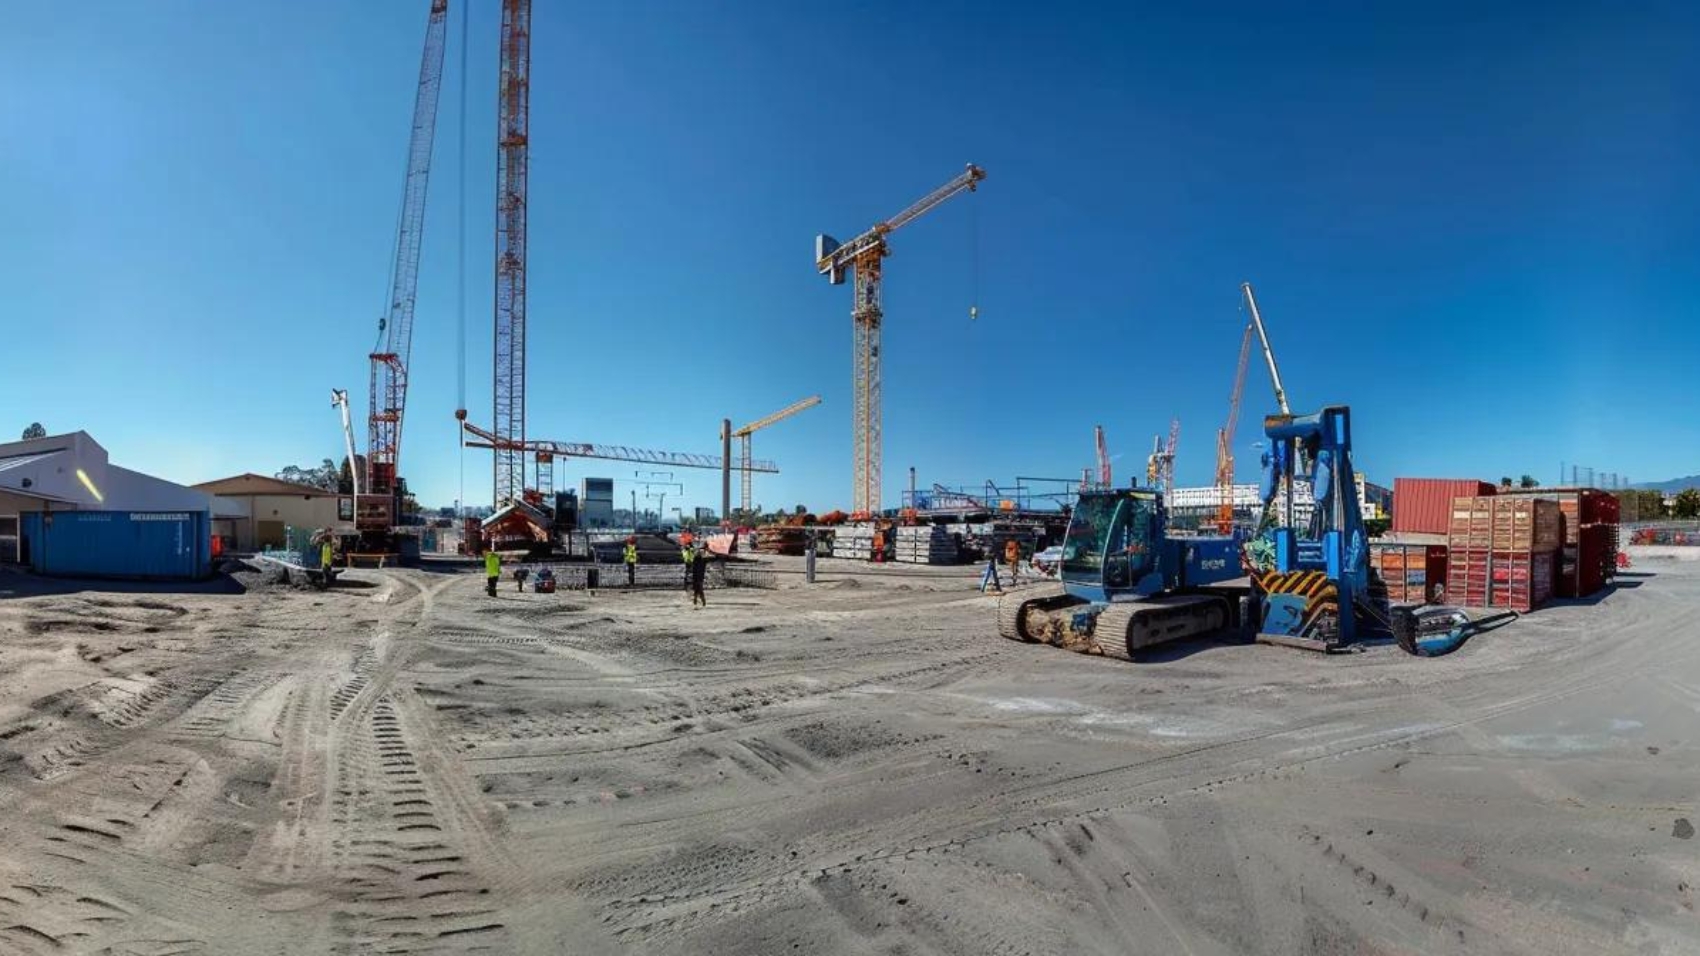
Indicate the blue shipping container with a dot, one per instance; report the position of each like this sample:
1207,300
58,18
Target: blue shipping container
154,545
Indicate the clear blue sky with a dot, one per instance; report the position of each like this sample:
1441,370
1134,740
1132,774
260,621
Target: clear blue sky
1479,229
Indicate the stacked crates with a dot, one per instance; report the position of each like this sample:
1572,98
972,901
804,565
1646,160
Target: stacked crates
1412,573
1502,552
1588,556
854,541
930,544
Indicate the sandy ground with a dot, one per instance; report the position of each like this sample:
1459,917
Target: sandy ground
860,766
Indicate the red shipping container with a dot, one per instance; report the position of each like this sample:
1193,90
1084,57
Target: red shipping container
1412,573
1584,568
1424,505
1517,580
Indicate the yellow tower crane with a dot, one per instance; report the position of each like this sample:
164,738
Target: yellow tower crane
862,256
745,459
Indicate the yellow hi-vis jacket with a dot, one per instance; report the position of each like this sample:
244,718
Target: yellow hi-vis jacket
325,555
492,564
631,554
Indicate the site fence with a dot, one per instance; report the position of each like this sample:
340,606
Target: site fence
576,576
1679,533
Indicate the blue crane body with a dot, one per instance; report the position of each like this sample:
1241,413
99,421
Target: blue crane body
1312,580
1126,583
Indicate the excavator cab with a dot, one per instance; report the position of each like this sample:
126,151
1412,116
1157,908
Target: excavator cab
1111,544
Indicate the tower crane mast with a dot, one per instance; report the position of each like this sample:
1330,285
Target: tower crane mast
862,256
388,387
513,109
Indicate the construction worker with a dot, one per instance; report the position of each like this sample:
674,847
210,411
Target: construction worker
492,571
631,562
698,567
325,555
687,555
1012,557
989,580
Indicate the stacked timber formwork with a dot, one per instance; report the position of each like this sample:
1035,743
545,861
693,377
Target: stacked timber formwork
1588,555
1502,552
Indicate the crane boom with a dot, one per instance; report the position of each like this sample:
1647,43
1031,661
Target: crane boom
488,439
1225,440
778,416
388,388
1104,478
1268,353
862,256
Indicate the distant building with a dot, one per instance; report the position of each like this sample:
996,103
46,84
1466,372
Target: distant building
271,505
596,503
706,516
1374,501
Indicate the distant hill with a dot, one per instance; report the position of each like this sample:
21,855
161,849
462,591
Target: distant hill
1675,484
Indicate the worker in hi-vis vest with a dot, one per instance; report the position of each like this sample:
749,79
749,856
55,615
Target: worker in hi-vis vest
492,571
631,561
325,556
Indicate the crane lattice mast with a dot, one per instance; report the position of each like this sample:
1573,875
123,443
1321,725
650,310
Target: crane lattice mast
513,107
862,256
1225,441
388,383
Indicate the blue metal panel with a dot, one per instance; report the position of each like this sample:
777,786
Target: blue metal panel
162,545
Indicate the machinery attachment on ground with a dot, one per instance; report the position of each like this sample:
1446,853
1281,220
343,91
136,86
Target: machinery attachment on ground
1432,632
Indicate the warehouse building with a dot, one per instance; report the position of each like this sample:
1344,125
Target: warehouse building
66,509
269,506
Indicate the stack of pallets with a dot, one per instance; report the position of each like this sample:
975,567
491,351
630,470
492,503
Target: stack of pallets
1503,552
781,539
930,544
1588,557
854,541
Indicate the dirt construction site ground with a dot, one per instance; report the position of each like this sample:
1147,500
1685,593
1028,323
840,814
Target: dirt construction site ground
858,766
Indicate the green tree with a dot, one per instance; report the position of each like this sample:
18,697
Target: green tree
1687,503
324,476
34,431
1528,481
1505,482
1652,505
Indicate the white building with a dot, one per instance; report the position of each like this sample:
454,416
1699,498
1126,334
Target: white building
71,472
1373,500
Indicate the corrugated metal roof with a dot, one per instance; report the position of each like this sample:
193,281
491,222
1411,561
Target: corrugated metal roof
18,461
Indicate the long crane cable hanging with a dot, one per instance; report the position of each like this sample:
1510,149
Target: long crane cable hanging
973,260
460,263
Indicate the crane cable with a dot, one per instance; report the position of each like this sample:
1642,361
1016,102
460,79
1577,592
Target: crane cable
973,261
460,262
